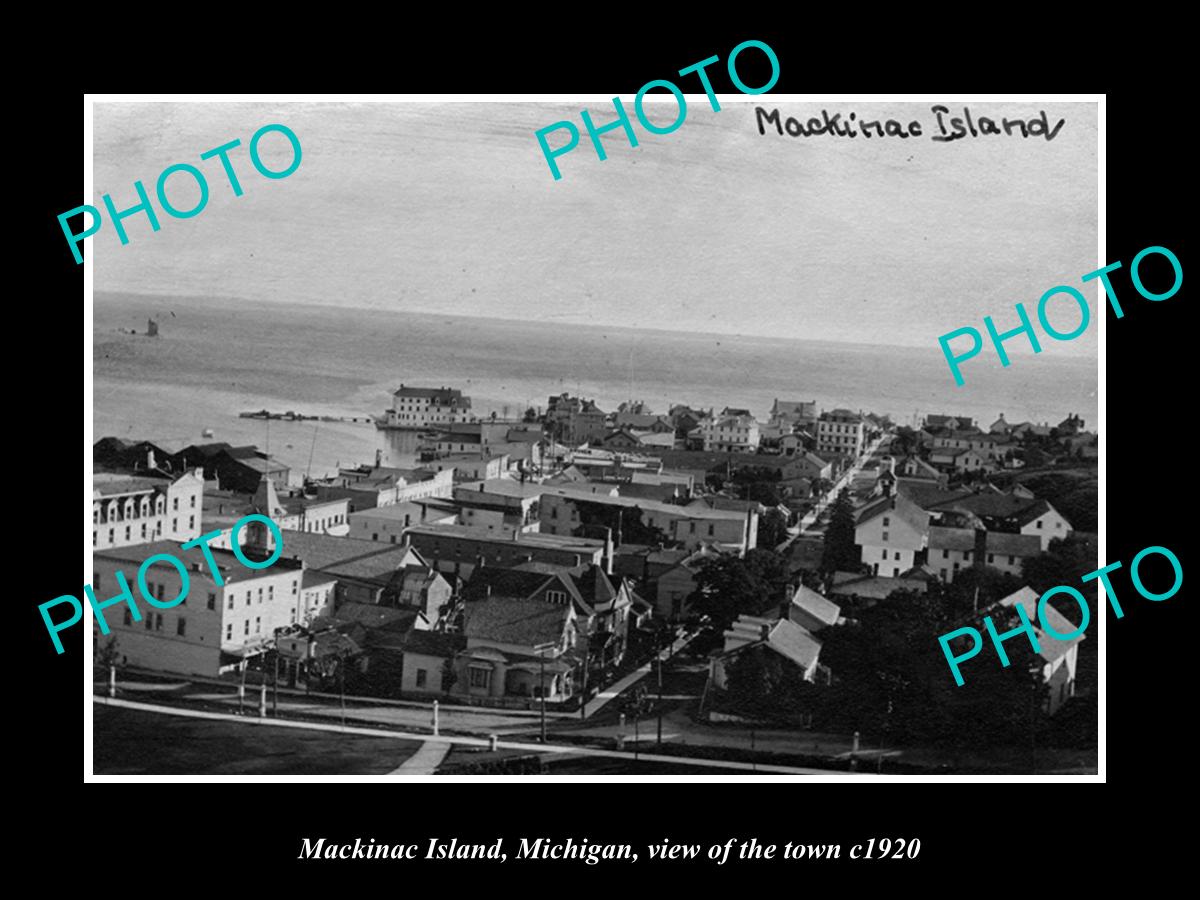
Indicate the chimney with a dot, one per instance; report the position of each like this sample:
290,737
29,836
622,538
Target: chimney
149,459
608,551
765,630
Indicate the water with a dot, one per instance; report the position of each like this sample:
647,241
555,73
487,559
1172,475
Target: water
216,358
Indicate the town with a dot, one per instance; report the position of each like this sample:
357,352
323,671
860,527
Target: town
729,590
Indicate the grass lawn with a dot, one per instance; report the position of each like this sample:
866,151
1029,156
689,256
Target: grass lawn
134,742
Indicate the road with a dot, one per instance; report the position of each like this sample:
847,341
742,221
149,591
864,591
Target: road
814,514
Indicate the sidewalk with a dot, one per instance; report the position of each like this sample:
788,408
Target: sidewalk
425,761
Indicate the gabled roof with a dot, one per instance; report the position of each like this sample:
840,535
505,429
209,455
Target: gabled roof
925,495
507,620
789,640
898,505
1050,648
816,606
959,539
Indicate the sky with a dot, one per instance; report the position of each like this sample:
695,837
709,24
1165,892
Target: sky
451,208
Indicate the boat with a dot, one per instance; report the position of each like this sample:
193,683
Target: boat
207,432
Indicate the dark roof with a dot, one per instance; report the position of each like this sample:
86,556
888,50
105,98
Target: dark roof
321,551
925,494
1013,544
524,622
434,643
943,538
494,581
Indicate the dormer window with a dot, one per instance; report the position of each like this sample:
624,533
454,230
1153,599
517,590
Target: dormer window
559,597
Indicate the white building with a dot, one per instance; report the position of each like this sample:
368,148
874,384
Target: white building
840,431
138,509
891,532
737,433
214,627
415,407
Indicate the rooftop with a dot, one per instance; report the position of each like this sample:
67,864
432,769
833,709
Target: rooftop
527,539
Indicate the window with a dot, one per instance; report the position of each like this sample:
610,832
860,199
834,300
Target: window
260,596
421,678
175,505
480,678
193,501
693,524
1039,523
375,535
128,617
897,556
174,524
886,521
943,572
258,624
149,621
884,553
212,600
945,554
93,538
191,523
991,557
158,622
127,531
229,632
710,530
885,537
393,539
966,556
556,596
181,627
230,605
295,585
247,598
270,592
143,529
1011,560
246,625
111,531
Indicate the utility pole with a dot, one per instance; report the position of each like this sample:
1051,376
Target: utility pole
658,656
342,680
275,686
542,689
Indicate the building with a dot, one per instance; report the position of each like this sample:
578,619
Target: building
811,611
573,420
788,415
1058,659
564,511
418,408
950,549
781,636
387,524
873,587
1008,552
296,512
237,469
521,648
892,533
140,509
840,431
1015,512
951,423
734,431
458,550
676,582
370,487
515,502
215,627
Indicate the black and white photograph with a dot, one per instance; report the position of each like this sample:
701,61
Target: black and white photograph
499,438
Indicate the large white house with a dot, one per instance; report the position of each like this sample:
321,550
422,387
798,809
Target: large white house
734,433
840,431
891,532
417,407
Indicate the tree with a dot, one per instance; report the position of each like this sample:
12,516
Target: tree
449,675
841,553
728,587
772,529
108,654
530,416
